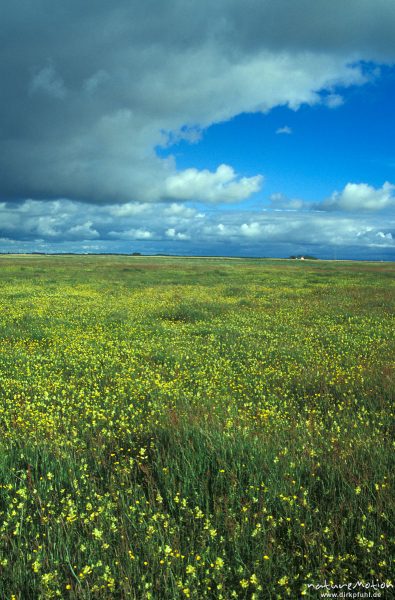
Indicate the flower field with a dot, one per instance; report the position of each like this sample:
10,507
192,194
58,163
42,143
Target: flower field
194,428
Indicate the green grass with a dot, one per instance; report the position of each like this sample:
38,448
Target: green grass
194,428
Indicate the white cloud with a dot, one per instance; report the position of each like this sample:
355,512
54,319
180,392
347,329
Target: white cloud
44,225
179,211
385,236
251,229
334,100
130,234
361,197
83,231
223,185
370,237
130,209
176,235
285,129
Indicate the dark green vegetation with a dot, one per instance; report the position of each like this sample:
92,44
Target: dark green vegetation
194,428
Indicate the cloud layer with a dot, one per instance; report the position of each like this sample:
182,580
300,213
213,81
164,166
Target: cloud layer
177,228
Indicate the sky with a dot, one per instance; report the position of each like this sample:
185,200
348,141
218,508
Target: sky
193,127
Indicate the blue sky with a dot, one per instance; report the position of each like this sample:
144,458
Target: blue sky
244,128
324,149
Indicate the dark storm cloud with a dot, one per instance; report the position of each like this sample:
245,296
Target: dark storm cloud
89,88
360,28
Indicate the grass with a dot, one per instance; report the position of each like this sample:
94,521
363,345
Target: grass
206,428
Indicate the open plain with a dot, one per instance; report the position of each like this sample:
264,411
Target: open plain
208,428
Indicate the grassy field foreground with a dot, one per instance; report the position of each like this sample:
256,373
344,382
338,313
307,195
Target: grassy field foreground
175,428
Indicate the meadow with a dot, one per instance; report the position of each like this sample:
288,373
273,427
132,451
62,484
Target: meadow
194,428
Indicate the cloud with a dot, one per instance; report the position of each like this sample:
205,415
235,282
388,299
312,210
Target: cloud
251,230
178,228
47,81
131,234
385,236
285,129
280,202
94,88
83,231
373,238
205,186
361,197
308,229
92,83
176,235
333,100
